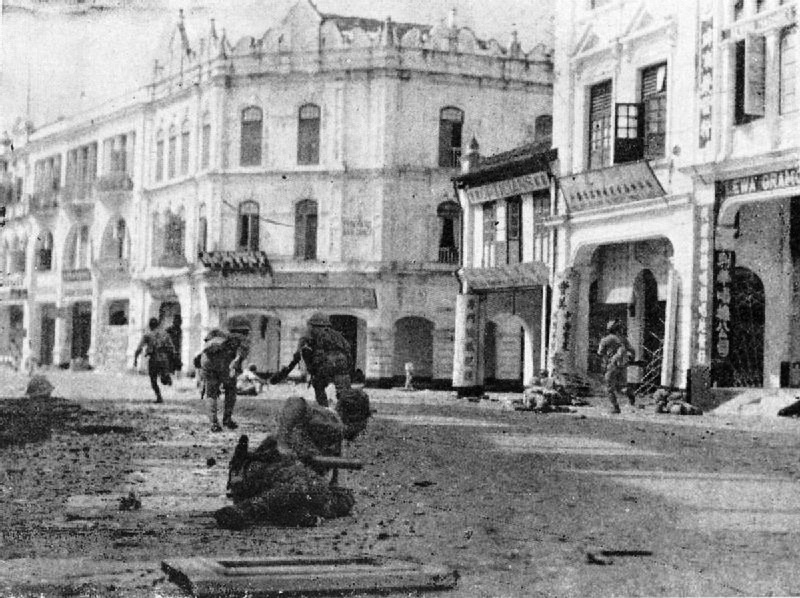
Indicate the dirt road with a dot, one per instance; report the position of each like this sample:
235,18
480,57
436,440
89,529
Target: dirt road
575,504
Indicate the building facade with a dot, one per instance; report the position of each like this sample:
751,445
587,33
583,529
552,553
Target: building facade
260,181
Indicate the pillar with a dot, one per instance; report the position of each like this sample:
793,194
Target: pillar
671,330
467,345
63,330
562,345
380,349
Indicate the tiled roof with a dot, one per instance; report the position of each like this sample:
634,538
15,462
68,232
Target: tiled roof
525,159
522,152
229,262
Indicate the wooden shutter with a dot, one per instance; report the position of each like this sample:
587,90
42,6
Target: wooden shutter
754,73
628,133
599,117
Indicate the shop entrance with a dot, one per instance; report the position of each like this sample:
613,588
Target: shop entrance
48,338
747,329
81,329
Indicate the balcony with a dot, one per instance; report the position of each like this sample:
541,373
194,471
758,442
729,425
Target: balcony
114,188
236,262
448,255
12,280
79,197
45,202
79,275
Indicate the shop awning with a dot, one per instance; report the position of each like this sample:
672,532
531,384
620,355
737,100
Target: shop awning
267,297
517,276
612,186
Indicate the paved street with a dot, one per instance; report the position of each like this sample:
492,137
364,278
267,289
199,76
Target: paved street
521,504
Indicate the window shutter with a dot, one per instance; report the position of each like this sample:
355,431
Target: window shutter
754,73
254,232
628,137
311,237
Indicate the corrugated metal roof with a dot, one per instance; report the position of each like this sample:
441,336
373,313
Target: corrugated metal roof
516,276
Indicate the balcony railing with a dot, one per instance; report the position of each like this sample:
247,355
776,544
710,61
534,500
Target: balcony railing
448,255
114,181
450,158
45,200
79,192
79,275
12,279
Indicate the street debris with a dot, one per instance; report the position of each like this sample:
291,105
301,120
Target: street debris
300,575
674,403
39,387
130,502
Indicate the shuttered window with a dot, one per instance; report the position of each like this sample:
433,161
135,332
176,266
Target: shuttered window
513,230
788,97
489,233
600,125
305,230
248,226
308,135
654,99
451,122
250,144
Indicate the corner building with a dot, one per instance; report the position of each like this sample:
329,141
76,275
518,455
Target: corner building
257,181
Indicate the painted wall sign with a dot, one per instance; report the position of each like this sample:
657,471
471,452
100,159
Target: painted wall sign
515,186
616,185
356,227
705,83
769,181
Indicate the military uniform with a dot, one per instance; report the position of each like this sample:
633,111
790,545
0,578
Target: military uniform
158,347
616,351
279,482
223,352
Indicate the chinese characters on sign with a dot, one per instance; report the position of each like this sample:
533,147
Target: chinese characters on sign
722,301
471,341
705,74
506,188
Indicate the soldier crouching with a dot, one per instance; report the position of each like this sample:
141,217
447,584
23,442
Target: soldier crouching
285,480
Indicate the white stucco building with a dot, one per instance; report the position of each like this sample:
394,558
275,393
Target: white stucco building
257,181
673,123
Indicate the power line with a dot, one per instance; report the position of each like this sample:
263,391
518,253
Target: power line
260,217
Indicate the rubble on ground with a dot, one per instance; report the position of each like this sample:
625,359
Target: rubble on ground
674,403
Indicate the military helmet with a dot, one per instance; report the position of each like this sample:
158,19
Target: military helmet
319,319
613,326
215,333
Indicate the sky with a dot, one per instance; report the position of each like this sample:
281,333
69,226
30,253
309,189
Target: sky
71,63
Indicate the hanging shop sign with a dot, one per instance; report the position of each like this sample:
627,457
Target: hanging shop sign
786,178
705,83
725,262
526,183
613,186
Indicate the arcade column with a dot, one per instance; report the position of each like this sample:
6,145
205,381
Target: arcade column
563,342
468,345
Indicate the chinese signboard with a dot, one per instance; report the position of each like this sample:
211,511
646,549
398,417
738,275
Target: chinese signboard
616,185
705,74
509,187
725,263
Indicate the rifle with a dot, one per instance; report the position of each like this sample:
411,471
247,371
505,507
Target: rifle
337,462
281,374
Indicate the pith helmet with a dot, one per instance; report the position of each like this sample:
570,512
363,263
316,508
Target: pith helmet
215,333
319,319
612,326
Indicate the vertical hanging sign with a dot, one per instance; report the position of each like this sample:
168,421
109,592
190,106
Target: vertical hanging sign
705,79
725,263
754,74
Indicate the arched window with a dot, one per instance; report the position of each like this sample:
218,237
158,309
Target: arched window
185,139
159,155
251,137
248,226
205,151
543,129
305,230
308,135
788,82
173,148
174,231
451,122
448,213
120,239
44,251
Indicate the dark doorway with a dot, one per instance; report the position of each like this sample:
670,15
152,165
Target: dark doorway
48,339
747,329
348,326
490,353
653,325
81,329
413,341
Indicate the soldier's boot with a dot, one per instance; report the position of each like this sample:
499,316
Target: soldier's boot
215,427
612,398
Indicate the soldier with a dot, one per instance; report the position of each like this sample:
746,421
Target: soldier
326,355
284,480
221,362
156,345
616,352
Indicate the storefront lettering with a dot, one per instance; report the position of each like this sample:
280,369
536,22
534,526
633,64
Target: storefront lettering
705,83
615,185
770,181
509,187
722,314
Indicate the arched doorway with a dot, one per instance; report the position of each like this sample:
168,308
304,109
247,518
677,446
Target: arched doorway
504,352
647,321
354,331
413,341
747,329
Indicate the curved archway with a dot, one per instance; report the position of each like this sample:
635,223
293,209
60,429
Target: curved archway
413,341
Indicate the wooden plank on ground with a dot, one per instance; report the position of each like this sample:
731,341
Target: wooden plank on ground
262,577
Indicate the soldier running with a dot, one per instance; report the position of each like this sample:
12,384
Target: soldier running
326,355
221,362
158,347
616,352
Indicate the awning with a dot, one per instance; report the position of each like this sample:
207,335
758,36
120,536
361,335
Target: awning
526,183
267,297
612,186
517,276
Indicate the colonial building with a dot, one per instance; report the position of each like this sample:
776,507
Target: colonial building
747,189
626,215
255,182
503,308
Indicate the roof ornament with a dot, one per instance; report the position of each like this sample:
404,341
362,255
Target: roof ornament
515,48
